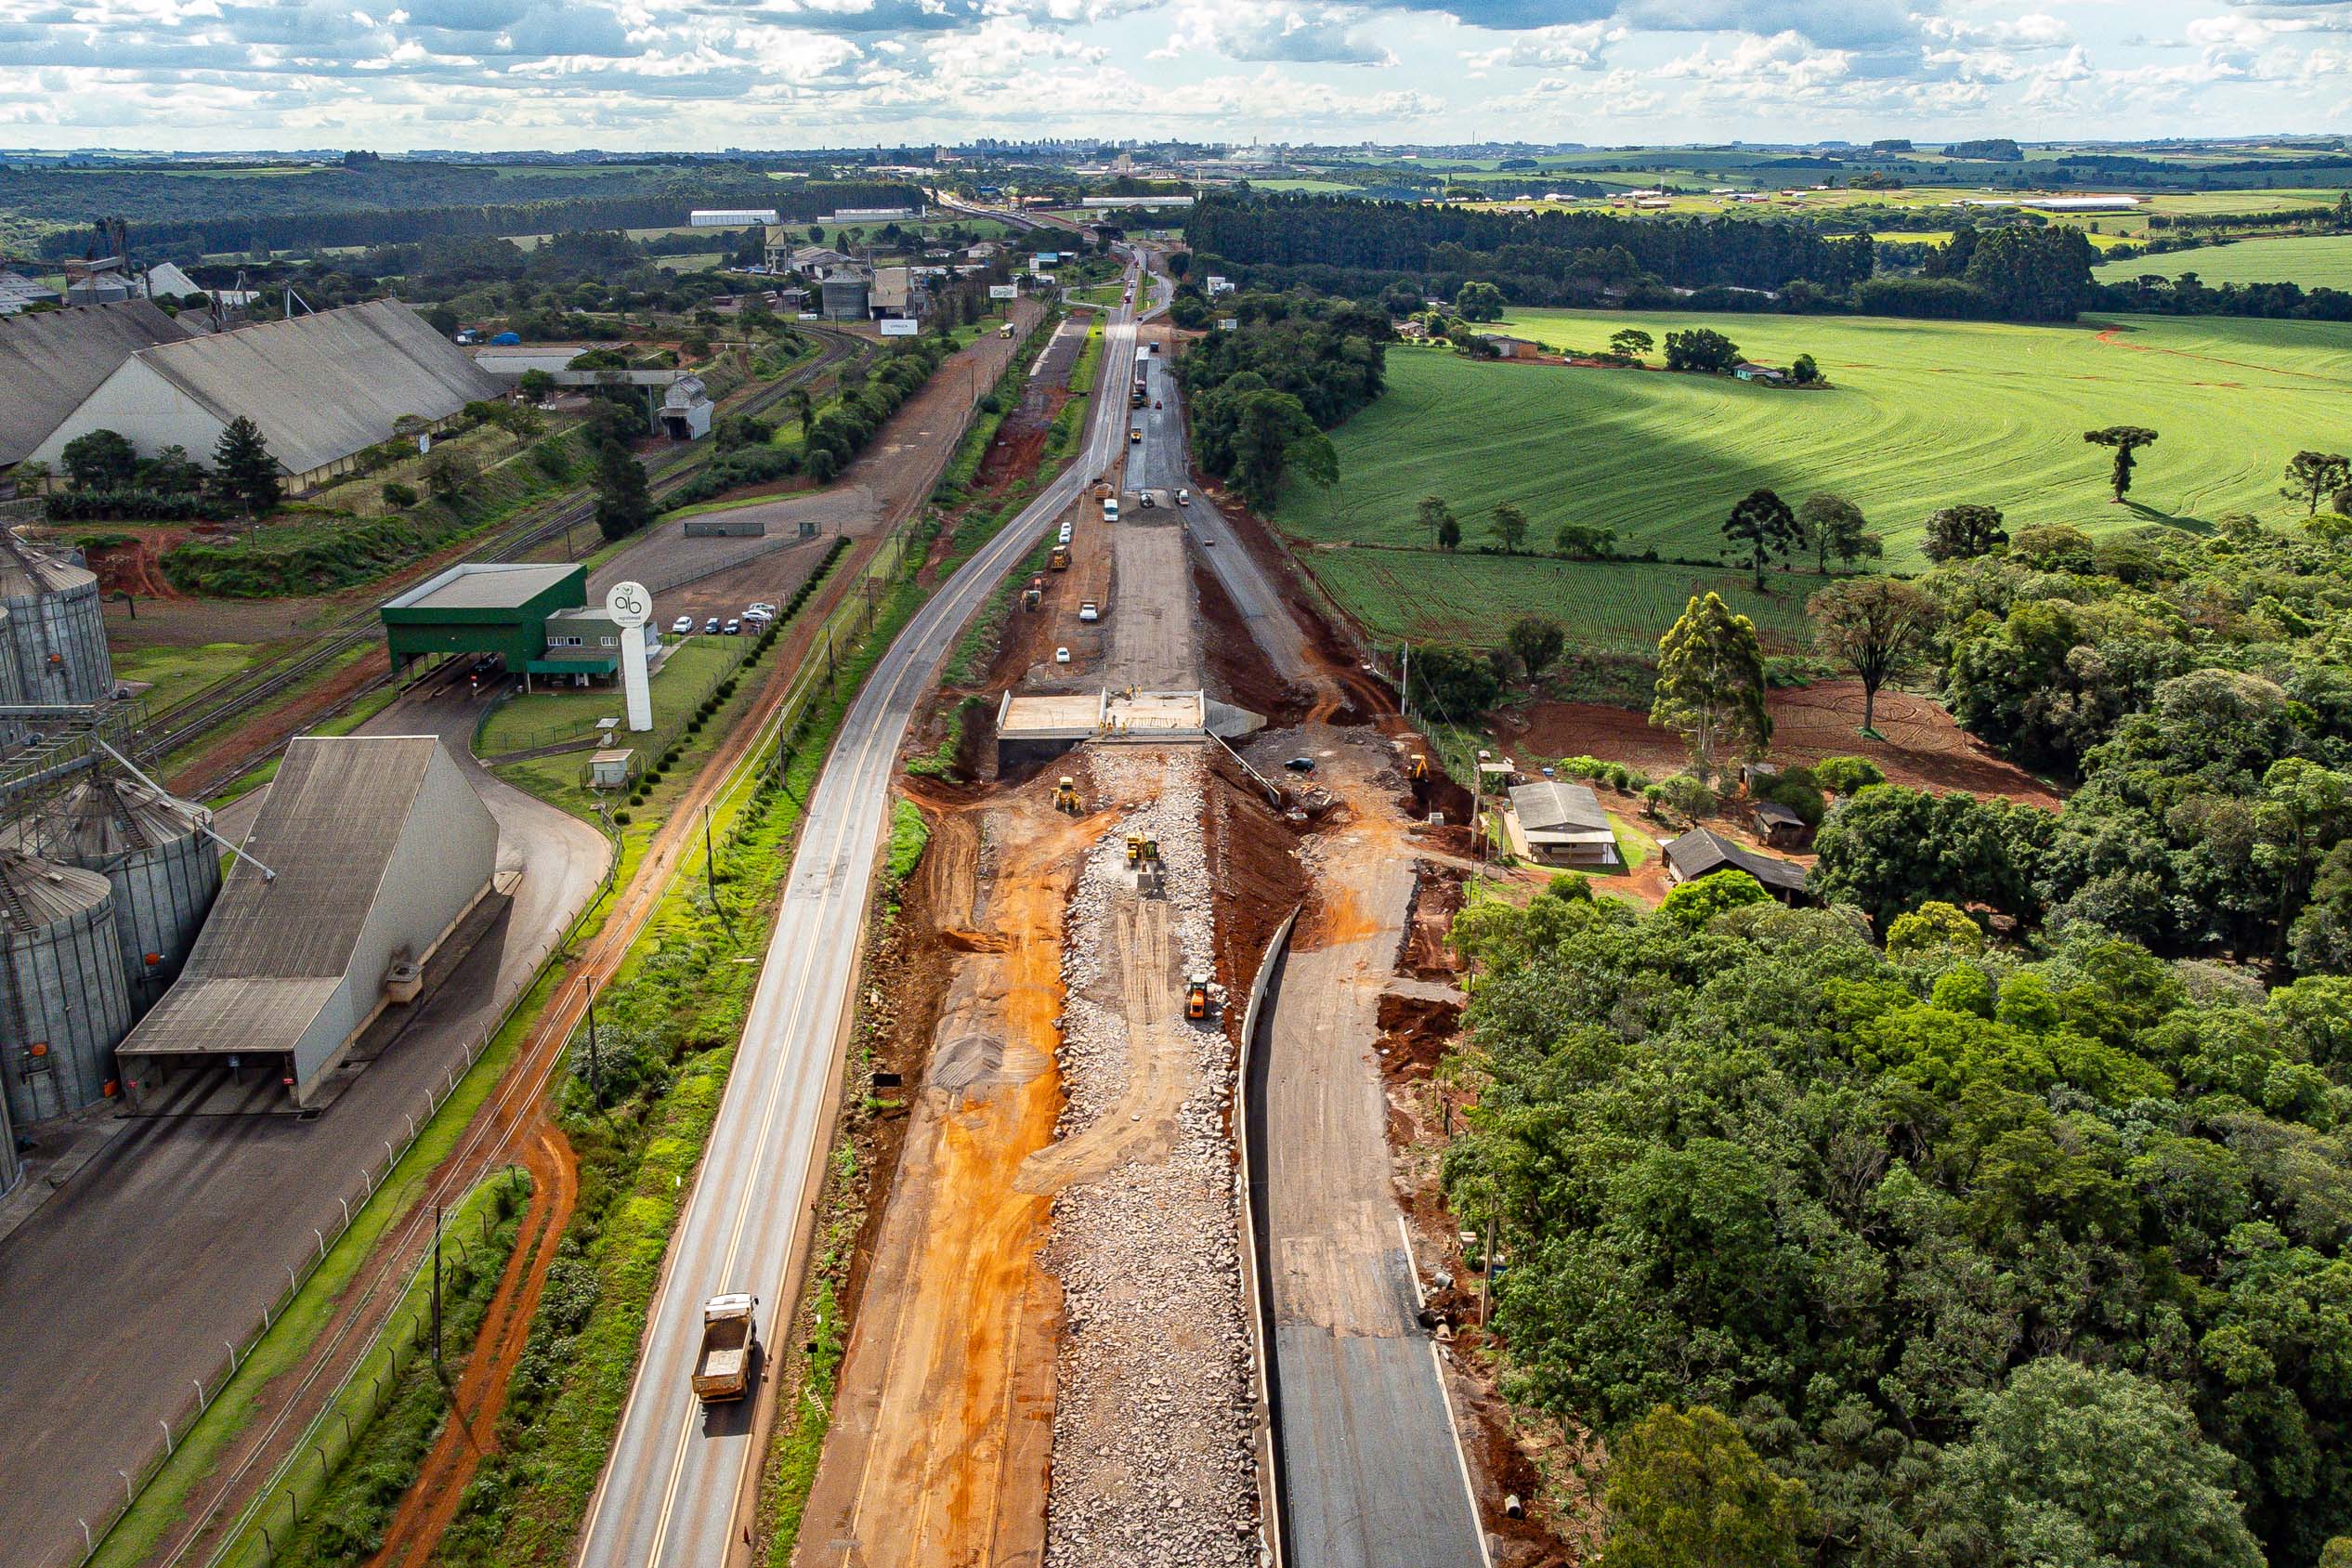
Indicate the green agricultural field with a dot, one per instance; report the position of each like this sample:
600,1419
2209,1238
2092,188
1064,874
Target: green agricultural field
1611,608
2312,260
1920,416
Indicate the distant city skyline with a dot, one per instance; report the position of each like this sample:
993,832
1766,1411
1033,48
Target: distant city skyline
521,75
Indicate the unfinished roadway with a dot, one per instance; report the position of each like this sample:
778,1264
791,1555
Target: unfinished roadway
676,1488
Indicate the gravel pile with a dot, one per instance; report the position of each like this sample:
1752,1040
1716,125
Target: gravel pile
1153,1463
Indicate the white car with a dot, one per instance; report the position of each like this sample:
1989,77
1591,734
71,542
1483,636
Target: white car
1183,498
681,626
1060,656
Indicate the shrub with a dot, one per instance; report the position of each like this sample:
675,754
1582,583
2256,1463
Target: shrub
621,818
1687,795
1846,775
398,496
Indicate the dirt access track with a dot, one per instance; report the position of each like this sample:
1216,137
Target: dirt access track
513,1126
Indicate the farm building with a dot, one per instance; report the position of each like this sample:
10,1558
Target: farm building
21,292
684,414
323,388
377,849
1702,853
51,360
1511,347
1748,370
731,217
1560,825
532,615
1779,826
895,296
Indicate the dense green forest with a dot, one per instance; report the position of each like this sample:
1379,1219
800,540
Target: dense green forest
1262,395
2197,688
2005,1259
1339,246
390,202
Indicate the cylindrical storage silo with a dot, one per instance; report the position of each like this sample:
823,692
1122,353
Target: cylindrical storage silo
165,873
56,631
10,1166
64,1005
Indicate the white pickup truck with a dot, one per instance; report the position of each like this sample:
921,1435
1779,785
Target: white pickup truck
729,1336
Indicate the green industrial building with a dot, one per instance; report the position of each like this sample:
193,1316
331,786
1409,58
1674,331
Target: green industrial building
533,615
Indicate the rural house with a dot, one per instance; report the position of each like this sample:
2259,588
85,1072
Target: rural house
1779,826
1702,853
1748,370
1509,348
1560,825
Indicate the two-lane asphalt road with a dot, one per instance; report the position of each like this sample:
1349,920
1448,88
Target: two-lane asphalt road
678,1472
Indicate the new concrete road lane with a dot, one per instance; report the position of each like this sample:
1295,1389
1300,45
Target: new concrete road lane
671,1490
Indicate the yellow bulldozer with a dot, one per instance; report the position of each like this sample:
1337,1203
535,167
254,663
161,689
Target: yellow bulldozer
1197,994
1065,797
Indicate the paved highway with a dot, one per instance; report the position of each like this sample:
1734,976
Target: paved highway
678,1475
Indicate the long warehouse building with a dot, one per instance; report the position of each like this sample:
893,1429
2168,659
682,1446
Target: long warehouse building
375,849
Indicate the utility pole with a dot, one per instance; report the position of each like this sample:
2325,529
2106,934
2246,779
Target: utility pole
595,1063
437,1290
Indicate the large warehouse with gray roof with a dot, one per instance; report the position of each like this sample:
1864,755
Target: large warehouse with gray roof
368,853
52,361
322,388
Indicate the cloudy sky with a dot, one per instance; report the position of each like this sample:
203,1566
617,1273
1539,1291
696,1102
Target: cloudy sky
394,74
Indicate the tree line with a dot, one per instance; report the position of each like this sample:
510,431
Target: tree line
1262,395
196,224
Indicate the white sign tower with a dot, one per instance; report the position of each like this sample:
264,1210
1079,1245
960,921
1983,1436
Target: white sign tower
630,606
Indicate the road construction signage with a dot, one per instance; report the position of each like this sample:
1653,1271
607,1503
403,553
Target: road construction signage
900,326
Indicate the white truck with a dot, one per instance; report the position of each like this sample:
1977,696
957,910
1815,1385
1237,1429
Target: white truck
1110,510
729,1336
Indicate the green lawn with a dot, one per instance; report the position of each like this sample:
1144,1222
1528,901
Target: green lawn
1921,415
545,717
1616,608
2312,260
176,673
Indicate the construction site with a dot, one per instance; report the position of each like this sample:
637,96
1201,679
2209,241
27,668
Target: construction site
1145,1260
1147,1284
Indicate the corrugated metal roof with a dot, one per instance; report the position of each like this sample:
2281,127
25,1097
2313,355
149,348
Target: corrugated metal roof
101,818
485,585
25,573
216,1017
326,385
335,812
1551,806
52,360
35,893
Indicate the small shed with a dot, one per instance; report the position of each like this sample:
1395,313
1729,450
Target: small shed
1779,826
1509,348
1747,371
686,410
1702,853
612,769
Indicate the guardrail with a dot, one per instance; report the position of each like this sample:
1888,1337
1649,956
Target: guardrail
1252,1266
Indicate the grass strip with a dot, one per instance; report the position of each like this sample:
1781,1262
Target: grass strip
378,1430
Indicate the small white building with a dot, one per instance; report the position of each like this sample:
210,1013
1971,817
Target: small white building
1560,824
686,410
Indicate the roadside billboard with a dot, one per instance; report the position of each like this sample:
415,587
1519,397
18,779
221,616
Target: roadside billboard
899,326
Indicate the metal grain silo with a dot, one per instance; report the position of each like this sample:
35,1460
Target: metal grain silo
63,1002
56,627
164,871
11,689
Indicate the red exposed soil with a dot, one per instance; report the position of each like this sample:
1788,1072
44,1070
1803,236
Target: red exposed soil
1255,876
1437,897
1416,1033
1923,747
1238,671
135,565
471,1430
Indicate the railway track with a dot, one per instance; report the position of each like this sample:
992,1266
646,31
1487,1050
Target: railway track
238,695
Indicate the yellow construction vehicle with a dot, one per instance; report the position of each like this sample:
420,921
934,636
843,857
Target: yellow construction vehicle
1135,849
1032,596
1060,559
1065,794
1196,995
1417,768
1151,850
